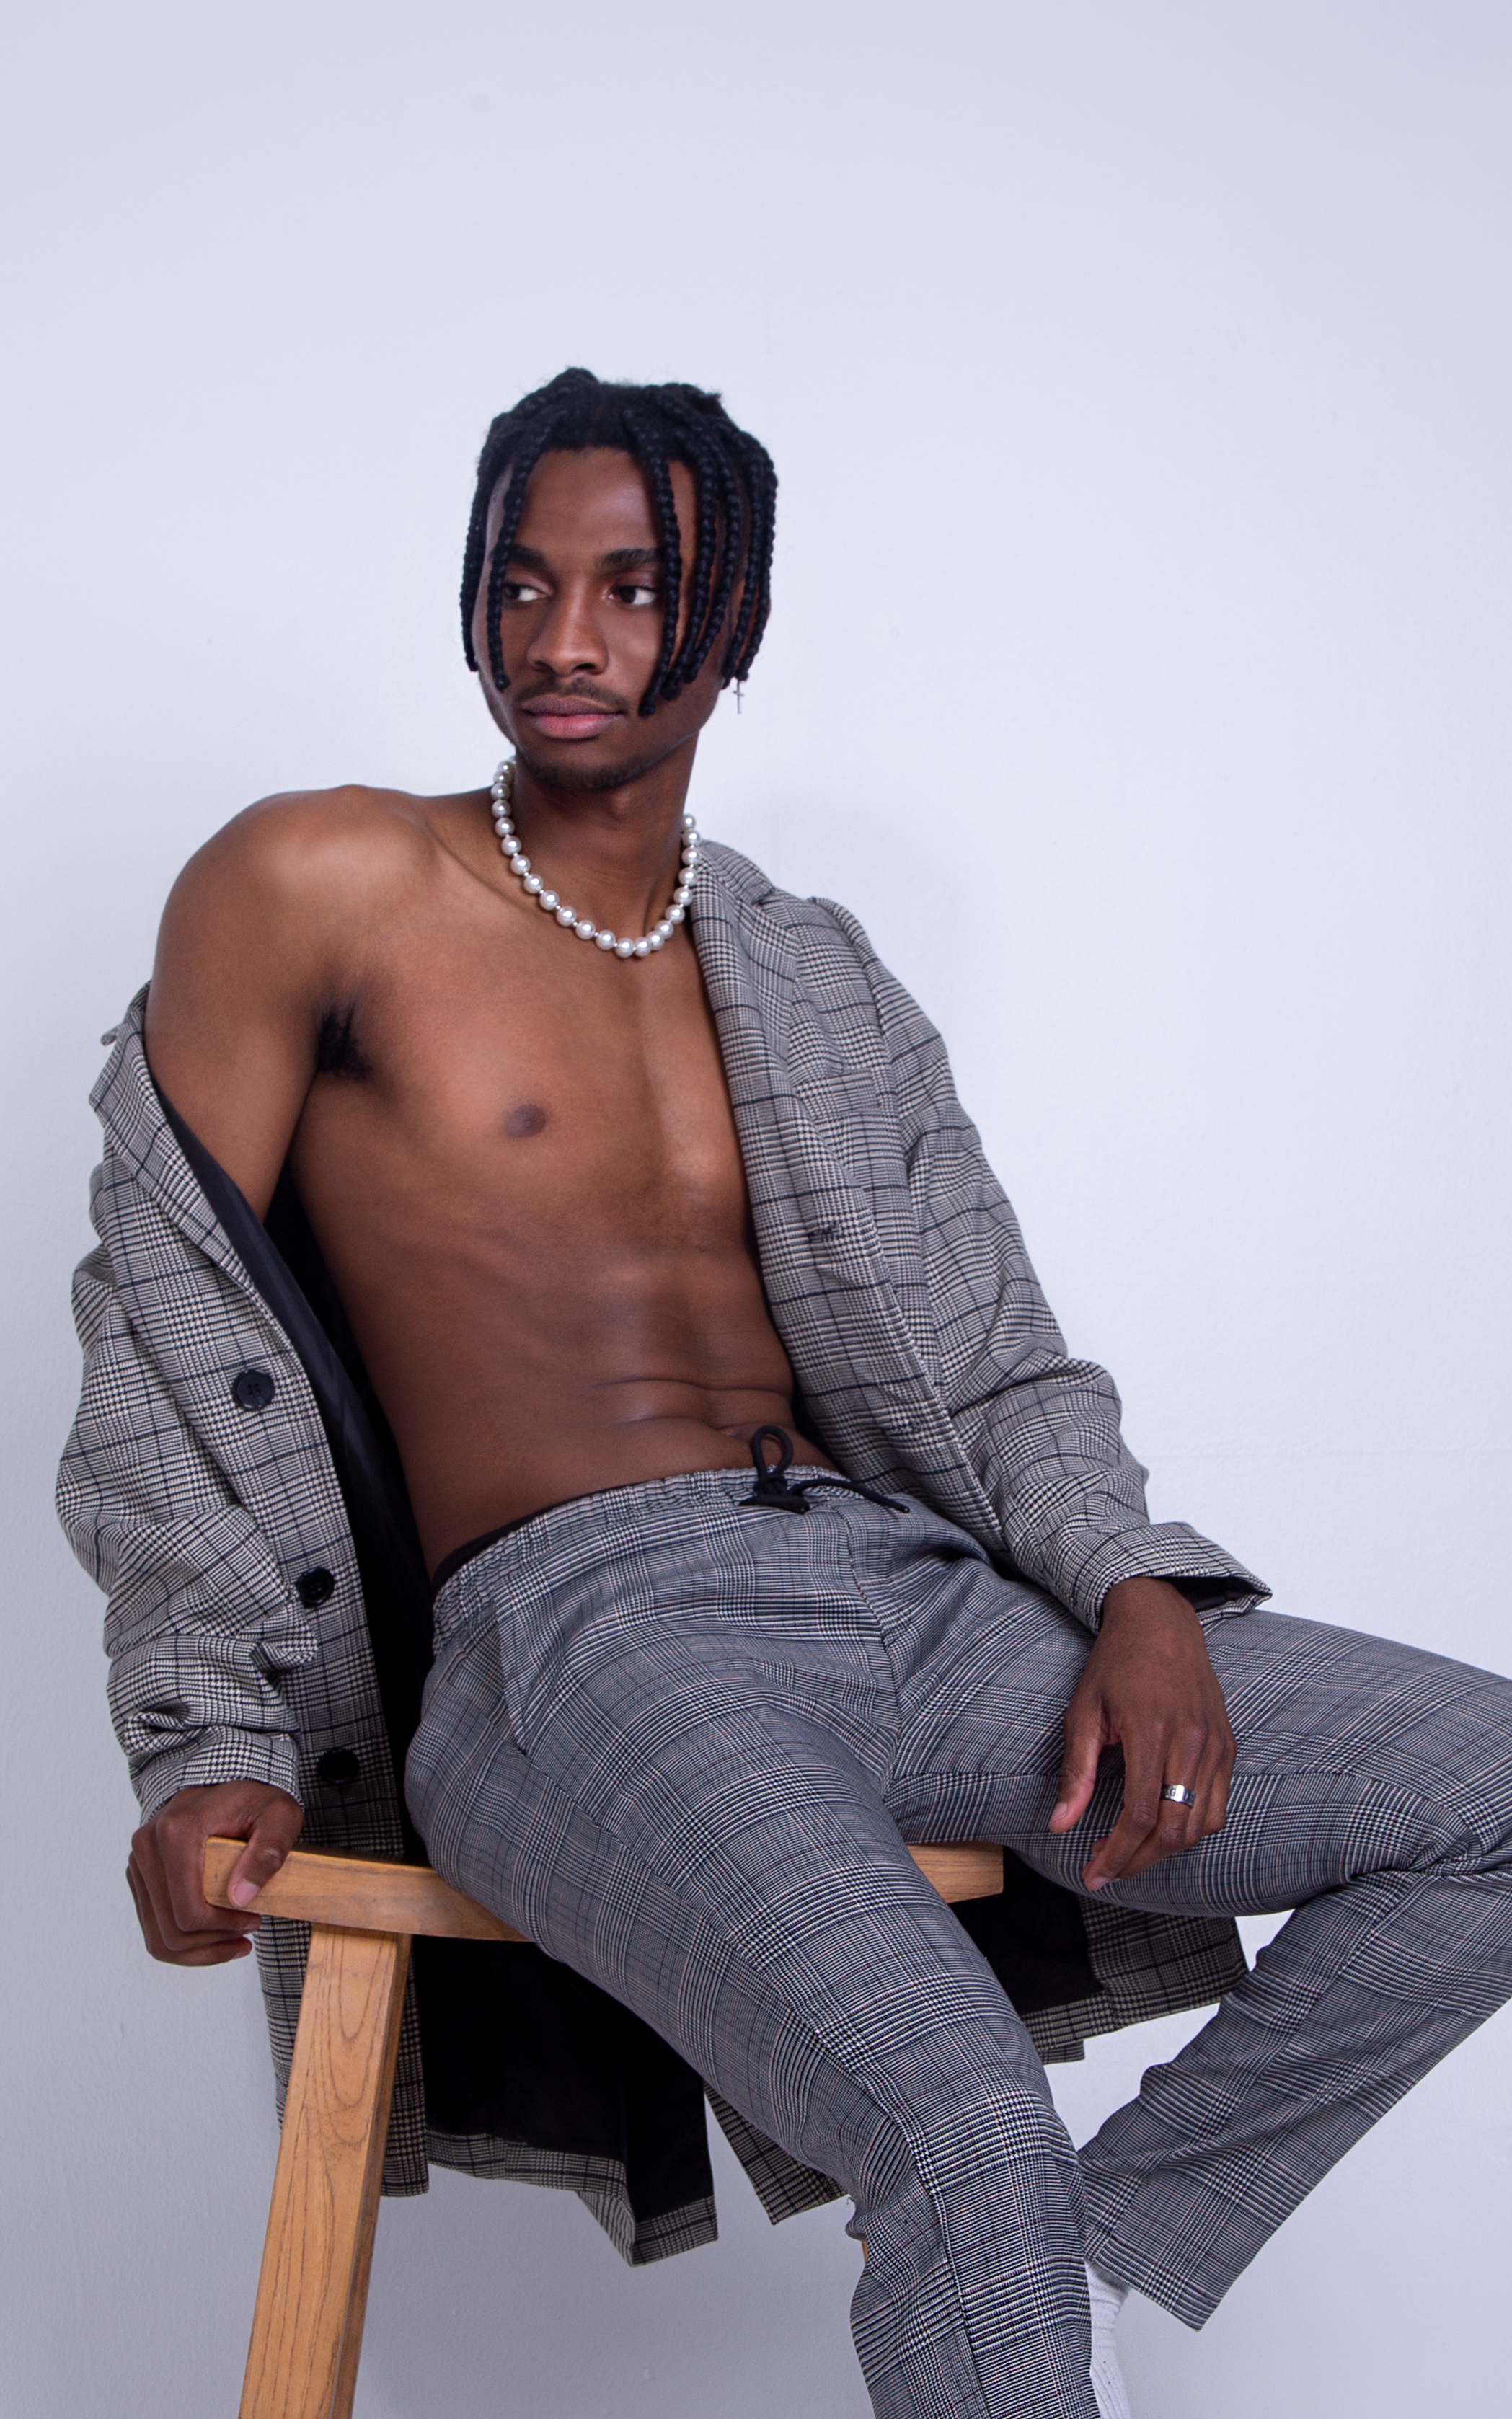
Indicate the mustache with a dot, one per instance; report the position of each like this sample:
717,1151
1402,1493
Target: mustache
578,693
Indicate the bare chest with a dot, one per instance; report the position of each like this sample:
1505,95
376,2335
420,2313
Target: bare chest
547,1090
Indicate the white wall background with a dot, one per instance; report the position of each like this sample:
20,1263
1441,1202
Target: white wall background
1137,375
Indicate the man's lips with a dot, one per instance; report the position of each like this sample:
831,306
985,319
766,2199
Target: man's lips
565,717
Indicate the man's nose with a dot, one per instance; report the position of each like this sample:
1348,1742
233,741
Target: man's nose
569,638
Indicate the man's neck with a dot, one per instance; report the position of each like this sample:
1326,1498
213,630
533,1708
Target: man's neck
615,852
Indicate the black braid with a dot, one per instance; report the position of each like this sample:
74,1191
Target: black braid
717,533
737,518
651,453
757,602
523,464
736,495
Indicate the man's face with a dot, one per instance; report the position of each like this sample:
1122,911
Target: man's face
581,624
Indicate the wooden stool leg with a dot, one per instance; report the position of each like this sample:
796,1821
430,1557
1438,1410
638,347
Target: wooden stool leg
307,2327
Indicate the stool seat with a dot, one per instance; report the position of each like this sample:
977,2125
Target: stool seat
364,1911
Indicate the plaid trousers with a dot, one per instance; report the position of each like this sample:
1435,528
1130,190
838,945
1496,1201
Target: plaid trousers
681,1742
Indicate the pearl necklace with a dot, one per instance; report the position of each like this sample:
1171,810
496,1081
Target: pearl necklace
586,930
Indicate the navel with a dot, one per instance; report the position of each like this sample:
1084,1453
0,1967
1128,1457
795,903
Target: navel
529,1118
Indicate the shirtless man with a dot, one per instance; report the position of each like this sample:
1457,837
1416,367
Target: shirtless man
518,1146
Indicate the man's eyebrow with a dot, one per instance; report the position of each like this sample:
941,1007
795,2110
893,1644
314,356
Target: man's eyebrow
622,558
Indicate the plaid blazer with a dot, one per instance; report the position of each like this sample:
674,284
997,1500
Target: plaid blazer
924,1353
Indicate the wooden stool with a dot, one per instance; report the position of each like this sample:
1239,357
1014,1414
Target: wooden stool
312,2294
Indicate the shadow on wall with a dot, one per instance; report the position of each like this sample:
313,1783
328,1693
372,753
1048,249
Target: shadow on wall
490,2300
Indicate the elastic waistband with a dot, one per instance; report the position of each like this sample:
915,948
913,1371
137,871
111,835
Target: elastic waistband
450,1564
545,1546
776,1485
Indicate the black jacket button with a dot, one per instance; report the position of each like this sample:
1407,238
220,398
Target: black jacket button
253,1389
314,1587
337,1766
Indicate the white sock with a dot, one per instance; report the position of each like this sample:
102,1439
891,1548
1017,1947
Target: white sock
1107,2377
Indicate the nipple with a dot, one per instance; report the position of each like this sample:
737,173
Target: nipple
529,1118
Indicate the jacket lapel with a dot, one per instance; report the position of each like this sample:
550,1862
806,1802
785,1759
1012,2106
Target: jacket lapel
858,1362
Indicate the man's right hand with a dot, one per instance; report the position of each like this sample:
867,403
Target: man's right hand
166,1870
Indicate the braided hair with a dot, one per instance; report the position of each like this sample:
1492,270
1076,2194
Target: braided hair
736,488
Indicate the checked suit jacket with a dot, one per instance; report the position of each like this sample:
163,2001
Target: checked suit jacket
266,1614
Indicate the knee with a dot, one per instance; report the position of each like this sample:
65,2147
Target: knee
995,2124
964,2128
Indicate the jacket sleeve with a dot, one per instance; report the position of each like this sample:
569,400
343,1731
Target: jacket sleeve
1041,1428
200,1624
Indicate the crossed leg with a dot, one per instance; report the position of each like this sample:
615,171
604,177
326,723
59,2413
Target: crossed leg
701,1805
1372,1795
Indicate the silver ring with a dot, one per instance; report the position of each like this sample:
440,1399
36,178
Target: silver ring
1178,1794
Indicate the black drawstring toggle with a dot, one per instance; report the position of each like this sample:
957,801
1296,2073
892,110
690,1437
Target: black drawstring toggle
773,1492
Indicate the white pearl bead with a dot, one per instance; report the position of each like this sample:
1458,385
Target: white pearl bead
584,925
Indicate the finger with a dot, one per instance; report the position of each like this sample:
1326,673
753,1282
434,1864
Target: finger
1085,1741
1143,1765
271,1837
163,1928
151,1888
170,1946
1189,1764
1209,1809
1169,1837
178,1837
1215,1812
1186,1825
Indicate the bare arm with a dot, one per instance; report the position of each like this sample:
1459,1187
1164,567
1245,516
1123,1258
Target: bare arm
260,935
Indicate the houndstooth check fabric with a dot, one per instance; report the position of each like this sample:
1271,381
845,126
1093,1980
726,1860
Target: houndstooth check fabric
680,1736
923,1348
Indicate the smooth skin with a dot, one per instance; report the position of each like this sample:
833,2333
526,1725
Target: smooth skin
518,1152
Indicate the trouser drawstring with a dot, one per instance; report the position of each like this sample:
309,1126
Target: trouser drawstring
774,1492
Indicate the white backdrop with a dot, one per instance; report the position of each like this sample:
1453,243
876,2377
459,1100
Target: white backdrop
1136,371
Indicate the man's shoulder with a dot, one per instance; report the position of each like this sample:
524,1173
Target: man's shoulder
351,831
308,853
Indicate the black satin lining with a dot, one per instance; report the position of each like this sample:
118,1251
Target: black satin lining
396,1588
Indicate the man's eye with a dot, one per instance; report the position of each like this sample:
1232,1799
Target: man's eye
634,594
518,591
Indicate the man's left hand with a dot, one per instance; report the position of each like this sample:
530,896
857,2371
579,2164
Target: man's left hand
1150,1687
